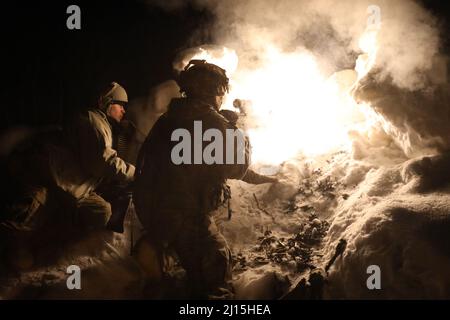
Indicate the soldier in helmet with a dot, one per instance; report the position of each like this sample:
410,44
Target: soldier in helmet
174,202
57,180
91,139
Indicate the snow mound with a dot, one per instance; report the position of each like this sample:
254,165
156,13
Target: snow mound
394,214
107,272
389,221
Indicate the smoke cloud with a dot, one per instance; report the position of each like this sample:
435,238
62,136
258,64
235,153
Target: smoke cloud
408,37
408,46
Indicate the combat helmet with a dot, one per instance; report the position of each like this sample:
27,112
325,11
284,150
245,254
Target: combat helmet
200,78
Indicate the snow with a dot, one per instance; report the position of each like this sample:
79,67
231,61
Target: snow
382,211
389,224
392,211
390,204
108,272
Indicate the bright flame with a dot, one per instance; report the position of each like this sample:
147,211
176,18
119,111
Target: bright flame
294,107
366,61
226,59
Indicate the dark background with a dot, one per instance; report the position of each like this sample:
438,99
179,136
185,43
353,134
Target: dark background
50,72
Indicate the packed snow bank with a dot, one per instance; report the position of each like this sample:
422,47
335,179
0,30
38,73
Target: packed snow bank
107,272
395,216
393,212
391,216
276,230
416,120
386,222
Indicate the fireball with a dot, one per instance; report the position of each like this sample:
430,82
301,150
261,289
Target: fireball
295,108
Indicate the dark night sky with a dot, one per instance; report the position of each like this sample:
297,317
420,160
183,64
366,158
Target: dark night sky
49,72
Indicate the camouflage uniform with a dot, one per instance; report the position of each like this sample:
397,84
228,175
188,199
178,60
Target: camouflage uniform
56,181
174,202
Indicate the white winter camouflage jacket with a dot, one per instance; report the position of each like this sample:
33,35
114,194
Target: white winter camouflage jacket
79,167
